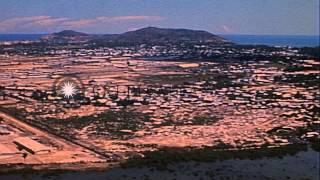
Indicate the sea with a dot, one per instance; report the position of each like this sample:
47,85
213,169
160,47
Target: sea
20,37
275,40
270,40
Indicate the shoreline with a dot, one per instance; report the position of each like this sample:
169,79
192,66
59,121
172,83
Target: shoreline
55,167
161,158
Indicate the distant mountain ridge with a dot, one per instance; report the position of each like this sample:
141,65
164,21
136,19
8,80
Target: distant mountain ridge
148,35
70,33
66,36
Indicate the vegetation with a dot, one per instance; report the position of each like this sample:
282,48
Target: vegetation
116,124
302,80
316,146
204,120
166,156
311,51
212,80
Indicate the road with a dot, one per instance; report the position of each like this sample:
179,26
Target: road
66,144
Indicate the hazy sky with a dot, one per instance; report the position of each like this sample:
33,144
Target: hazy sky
294,17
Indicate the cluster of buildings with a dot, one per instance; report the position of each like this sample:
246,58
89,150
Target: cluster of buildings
169,51
18,144
222,94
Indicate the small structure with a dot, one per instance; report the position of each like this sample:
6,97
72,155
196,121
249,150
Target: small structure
31,145
188,65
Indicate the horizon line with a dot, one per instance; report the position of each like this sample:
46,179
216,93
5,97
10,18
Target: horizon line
221,34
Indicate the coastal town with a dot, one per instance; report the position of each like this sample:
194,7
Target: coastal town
159,90
136,99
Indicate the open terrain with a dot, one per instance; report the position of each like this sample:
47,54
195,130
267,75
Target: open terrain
138,104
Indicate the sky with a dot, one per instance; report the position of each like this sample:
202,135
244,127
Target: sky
256,17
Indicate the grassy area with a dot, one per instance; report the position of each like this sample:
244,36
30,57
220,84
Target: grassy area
212,80
197,120
109,123
302,80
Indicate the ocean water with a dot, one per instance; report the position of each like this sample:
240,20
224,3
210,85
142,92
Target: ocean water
20,37
271,40
275,40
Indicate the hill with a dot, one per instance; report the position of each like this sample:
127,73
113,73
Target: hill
70,33
149,35
162,36
66,36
